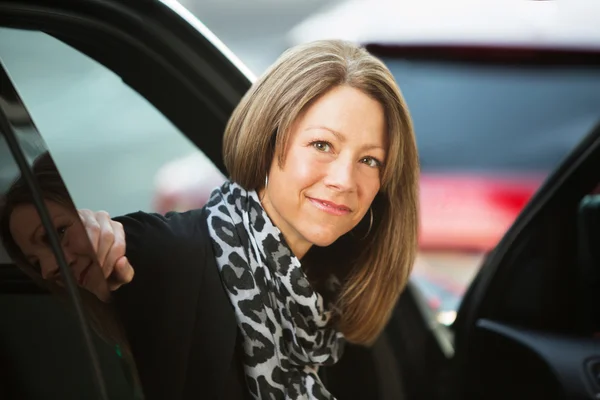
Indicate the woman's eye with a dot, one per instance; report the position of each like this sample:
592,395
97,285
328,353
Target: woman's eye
322,146
61,230
371,162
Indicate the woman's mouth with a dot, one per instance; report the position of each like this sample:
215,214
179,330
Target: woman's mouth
330,207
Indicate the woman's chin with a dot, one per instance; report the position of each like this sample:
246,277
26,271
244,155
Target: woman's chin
323,239
99,290
102,295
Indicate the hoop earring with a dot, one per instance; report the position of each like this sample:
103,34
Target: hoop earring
266,181
370,224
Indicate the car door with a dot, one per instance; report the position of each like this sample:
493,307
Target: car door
109,92
47,346
528,326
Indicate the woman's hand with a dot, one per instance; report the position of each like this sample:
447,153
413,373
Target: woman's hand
108,240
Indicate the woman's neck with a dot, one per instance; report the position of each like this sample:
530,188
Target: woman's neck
298,244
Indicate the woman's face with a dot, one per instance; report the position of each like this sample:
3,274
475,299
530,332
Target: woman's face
29,234
332,169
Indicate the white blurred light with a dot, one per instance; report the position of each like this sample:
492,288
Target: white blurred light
446,317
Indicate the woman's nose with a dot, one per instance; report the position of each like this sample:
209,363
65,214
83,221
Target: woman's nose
340,175
49,264
70,256
49,269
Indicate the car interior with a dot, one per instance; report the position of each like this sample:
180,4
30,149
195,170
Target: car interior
540,281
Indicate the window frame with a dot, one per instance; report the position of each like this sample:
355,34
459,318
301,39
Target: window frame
155,51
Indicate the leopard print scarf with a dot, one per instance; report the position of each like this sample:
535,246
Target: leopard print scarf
283,321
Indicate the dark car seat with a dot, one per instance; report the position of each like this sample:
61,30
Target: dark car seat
588,226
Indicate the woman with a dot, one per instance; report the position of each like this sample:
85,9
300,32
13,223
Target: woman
313,237
308,245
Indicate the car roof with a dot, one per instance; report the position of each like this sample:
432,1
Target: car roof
570,24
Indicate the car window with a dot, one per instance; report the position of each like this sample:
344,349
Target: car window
115,150
42,352
498,131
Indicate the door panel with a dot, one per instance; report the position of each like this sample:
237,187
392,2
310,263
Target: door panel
531,286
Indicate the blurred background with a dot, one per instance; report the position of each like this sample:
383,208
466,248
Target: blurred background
496,106
256,31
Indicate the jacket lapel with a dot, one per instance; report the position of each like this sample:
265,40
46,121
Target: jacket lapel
213,345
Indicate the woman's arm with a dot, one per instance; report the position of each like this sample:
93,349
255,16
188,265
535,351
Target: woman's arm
136,239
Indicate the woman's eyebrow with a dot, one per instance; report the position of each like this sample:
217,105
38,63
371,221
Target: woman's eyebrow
373,146
340,136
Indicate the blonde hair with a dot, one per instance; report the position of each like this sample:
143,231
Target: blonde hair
260,127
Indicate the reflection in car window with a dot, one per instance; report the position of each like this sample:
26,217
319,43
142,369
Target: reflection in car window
109,143
40,339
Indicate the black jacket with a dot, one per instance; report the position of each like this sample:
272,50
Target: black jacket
182,327
178,318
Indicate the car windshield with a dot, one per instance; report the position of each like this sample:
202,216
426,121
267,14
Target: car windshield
492,118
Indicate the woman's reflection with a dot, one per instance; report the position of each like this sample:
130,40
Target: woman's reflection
26,239
26,242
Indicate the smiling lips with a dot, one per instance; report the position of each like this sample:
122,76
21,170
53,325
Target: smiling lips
330,207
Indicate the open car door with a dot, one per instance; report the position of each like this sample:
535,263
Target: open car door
105,93
47,346
529,324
